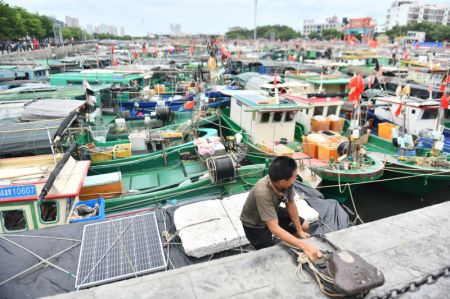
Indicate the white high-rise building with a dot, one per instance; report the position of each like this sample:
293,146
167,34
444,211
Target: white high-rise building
72,22
403,12
89,28
175,28
309,26
104,28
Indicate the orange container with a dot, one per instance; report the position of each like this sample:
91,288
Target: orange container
385,130
320,125
337,125
310,148
327,151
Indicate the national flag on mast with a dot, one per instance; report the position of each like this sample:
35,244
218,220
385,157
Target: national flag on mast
444,83
90,94
444,101
399,109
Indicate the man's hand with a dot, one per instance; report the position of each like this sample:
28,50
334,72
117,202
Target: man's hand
302,234
312,252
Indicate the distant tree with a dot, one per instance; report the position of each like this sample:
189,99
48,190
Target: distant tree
281,32
16,22
47,25
72,32
328,34
239,33
314,35
31,23
433,32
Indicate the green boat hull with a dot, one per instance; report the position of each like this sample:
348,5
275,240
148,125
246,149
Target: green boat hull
405,177
246,177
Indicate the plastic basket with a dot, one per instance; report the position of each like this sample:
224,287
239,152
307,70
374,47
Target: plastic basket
91,203
99,133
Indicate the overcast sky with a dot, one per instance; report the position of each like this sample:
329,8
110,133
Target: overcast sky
139,17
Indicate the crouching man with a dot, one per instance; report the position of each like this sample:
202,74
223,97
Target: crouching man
263,217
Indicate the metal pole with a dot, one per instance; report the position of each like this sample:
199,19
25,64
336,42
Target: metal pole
51,145
254,32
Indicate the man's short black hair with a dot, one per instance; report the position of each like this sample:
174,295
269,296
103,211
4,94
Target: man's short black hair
281,168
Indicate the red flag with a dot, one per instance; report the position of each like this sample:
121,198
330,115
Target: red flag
444,83
135,55
189,105
444,101
239,54
399,110
114,62
357,87
112,49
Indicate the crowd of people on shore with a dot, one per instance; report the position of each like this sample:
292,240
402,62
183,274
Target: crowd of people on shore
22,45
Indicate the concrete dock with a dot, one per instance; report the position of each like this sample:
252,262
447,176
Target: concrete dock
405,248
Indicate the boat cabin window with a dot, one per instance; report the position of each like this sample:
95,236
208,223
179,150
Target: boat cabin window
289,116
14,220
413,111
74,82
318,110
429,114
331,110
48,211
265,117
277,116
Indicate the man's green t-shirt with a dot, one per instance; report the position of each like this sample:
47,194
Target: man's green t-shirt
263,203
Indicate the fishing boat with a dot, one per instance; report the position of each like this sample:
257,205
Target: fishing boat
269,129
39,191
47,126
409,169
416,116
24,71
126,85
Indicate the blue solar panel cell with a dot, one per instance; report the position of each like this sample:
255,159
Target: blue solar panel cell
118,249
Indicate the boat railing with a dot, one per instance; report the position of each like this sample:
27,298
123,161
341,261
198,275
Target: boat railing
301,164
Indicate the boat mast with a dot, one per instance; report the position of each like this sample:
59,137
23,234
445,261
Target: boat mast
254,32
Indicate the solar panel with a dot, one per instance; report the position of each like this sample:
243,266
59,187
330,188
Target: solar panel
118,249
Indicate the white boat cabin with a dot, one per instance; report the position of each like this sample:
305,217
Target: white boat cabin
265,120
416,114
21,183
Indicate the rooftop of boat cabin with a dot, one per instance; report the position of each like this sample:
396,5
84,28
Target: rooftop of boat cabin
257,101
412,102
108,76
22,179
315,99
316,78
